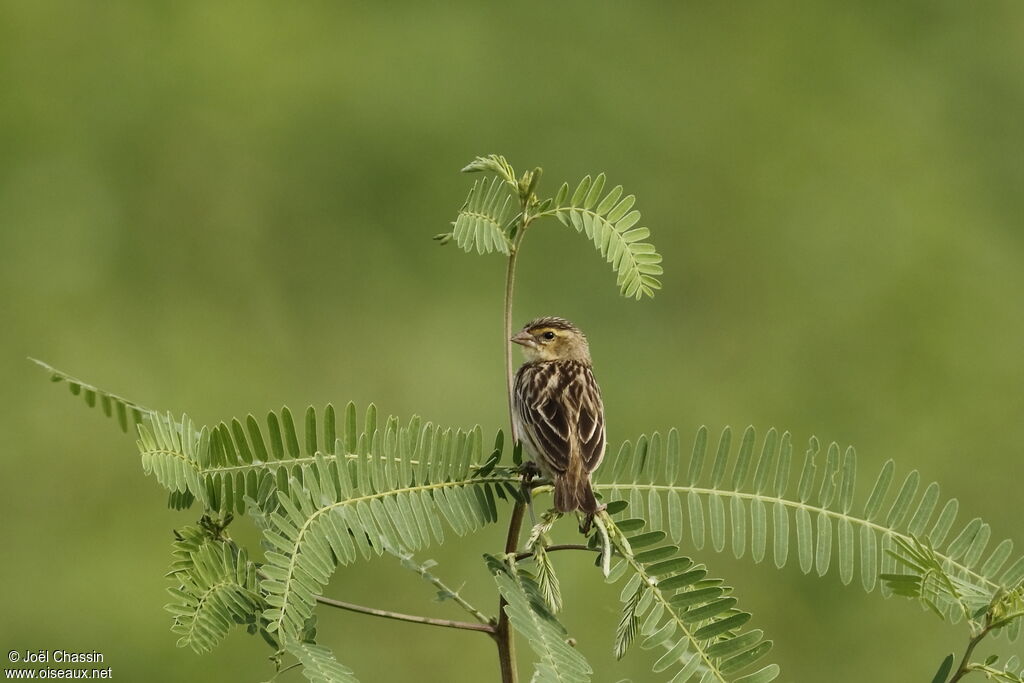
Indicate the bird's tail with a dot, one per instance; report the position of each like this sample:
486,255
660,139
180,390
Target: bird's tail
574,492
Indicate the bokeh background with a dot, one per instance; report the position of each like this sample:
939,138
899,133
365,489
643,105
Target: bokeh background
221,208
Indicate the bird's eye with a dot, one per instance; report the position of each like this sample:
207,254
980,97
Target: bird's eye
549,335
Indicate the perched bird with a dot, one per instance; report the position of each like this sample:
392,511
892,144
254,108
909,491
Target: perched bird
558,412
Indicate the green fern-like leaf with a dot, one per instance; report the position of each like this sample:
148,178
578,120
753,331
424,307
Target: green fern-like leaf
495,163
175,453
318,663
395,493
1008,607
558,661
231,464
755,510
925,579
337,494
670,603
217,590
609,220
547,579
188,541
483,218
191,539
128,412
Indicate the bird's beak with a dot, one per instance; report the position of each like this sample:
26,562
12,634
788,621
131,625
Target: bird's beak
524,338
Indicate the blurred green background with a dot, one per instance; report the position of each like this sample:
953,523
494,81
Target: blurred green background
225,207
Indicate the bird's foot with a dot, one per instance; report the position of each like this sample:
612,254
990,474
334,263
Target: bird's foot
587,520
529,471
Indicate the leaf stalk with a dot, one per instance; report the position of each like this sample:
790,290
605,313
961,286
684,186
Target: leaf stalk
400,616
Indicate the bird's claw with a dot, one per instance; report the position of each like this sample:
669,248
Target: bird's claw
529,470
588,519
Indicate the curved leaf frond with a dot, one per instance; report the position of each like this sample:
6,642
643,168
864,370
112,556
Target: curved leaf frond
672,604
609,220
547,579
544,569
232,464
128,412
831,532
925,579
217,590
318,663
481,221
175,453
394,493
494,163
191,539
559,661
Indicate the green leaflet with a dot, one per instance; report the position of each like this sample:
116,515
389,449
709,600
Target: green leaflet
127,412
216,590
318,663
494,163
558,661
672,605
926,576
1009,672
833,533
234,462
547,579
329,489
609,221
486,223
320,508
344,511
482,219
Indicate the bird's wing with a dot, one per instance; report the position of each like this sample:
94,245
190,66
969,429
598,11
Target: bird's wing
589,419
542,412
562,414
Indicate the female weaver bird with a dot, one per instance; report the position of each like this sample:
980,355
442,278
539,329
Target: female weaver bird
558,411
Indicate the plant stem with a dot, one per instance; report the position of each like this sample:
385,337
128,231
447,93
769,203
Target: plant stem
964,667
399,616
510,277
503,631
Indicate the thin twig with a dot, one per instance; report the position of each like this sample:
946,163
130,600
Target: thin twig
286,669
399,616
559,546
422,570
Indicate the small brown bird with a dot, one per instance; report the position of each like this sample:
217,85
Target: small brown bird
558,413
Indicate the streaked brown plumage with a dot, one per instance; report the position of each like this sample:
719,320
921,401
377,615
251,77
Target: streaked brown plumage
558,411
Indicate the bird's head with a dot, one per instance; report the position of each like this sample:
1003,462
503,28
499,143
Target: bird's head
552,338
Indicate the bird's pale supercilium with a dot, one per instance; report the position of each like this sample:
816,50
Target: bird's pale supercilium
558,411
